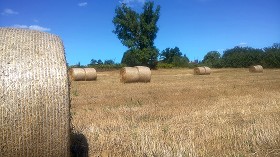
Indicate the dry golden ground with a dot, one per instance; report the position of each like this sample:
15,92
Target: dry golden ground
229,113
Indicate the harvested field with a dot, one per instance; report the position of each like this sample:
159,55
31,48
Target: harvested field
228,113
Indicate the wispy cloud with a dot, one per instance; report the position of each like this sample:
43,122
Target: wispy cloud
33,27
8,11
35,20
82,4
242,44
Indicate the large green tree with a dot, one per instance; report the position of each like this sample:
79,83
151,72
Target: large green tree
137,32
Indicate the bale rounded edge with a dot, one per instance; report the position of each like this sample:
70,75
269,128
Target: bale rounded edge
90,74
129,75
77,74
144,73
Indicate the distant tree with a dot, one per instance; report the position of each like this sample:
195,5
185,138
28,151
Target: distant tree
271,57
137,32
213,59
99,61
109,62
78,65
242,57
93,62
174,56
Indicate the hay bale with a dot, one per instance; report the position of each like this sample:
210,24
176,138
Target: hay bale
82,74
90,74
144,73
129,74
34,91
77,74
256,69
202,70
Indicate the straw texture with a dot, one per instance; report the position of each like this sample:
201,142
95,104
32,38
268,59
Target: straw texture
129,75
144,73
256,69
83,74
34,91
202,71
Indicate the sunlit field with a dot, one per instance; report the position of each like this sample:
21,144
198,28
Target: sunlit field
229,113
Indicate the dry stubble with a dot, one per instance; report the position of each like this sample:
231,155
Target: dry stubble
229,113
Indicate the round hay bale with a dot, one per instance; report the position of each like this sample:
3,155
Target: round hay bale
129,74
207,70
144,73
82,74
34,91
90,74
256,69
202,70
77,74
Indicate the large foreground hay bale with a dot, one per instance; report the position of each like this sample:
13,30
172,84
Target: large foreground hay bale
129,74
256,69
144,73
83,74
202,70
34,91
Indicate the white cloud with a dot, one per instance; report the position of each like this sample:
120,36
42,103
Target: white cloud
242,44
39,28
33,27
83,4
8,11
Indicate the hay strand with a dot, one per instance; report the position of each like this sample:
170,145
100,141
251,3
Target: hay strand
129,74
34,91
144,73
256,69
202,70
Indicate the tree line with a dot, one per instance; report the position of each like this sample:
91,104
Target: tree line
237,57
241,57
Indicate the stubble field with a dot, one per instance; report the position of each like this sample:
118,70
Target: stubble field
229,113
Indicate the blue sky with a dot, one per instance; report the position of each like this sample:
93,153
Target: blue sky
195,26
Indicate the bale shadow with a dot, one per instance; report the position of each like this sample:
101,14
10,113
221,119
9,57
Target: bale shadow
79,145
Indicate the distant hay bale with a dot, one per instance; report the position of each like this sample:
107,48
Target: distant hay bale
129,74
83,74
135,74
202,70
34,91
144,74
90,74
77,74
256,69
